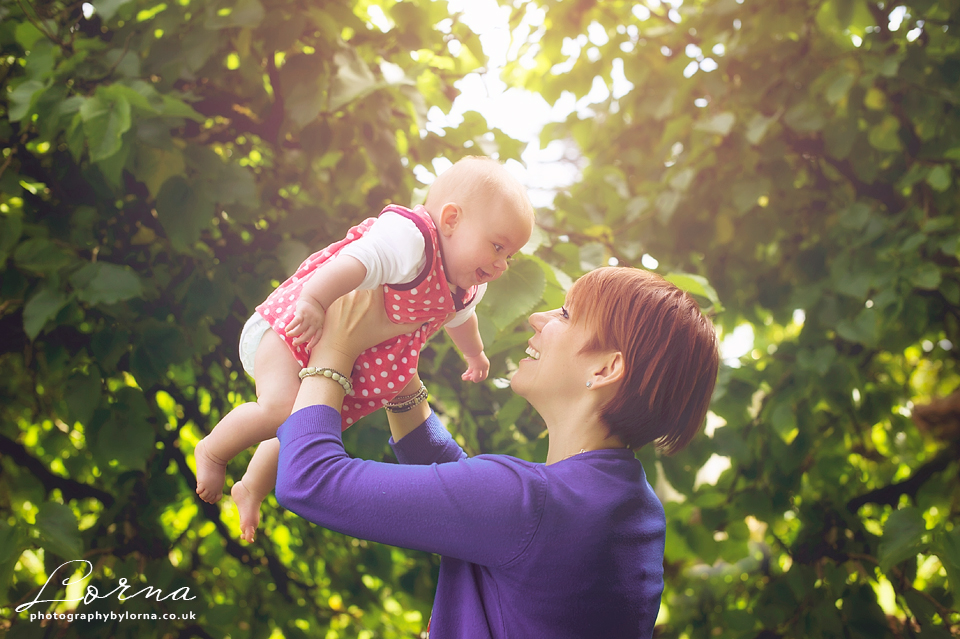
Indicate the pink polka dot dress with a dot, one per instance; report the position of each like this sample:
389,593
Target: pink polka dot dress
382,371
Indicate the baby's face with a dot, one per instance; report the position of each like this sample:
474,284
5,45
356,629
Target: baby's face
477,249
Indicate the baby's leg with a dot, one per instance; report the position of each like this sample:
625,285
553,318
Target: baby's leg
257,482
277,385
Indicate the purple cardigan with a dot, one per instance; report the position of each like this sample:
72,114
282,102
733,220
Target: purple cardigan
574,549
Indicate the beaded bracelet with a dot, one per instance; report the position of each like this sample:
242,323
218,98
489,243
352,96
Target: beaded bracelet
405,402
336,376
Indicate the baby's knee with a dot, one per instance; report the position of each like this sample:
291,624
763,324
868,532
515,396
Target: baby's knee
276,409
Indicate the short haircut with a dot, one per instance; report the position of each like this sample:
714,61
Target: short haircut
475,177
670,352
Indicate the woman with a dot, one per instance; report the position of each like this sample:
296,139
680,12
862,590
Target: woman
569,548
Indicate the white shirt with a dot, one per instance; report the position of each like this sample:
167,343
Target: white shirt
393,252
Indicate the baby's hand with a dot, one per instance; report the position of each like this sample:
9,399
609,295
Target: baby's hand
477,368
307,323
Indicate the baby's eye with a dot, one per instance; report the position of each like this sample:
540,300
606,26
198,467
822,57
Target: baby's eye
498,247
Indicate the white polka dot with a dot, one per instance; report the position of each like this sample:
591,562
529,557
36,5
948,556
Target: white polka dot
384,373
376,391
414,291
413,318
379,361
396,307
413,352
366,364
389,384
365,392
292,297
391,357
372,404
296,279
395,296
402,378
412,371
409,310
441,299
394,367
350,236
349,420
403,359
383,401
356,405
279,310
373,350
429,277
361,380
281,324
396,317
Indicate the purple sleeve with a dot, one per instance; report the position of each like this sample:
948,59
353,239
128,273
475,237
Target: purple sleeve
429,443
483,509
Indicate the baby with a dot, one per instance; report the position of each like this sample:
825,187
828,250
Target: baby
433,263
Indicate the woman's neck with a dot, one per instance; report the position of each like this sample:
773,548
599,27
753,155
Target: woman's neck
575,433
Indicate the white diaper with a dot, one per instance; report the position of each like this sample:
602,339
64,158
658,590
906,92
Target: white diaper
250,338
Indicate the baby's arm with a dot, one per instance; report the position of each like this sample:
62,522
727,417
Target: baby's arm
467,338
334,279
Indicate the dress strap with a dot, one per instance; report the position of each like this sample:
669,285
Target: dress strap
429,245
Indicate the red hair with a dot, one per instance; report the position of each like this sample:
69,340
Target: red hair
670,353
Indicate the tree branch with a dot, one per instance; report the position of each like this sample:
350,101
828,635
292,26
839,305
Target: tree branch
890,495
69,488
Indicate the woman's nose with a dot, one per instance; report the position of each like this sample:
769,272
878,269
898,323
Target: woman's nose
537,320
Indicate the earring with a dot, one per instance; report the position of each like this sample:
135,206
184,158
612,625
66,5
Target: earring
589,384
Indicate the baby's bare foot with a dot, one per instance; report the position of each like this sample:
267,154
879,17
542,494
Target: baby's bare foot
249,507
210,474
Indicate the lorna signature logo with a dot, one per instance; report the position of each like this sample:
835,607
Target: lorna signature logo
92,594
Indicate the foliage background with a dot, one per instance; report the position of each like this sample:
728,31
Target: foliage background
163,162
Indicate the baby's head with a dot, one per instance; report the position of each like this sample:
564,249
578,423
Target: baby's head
483,216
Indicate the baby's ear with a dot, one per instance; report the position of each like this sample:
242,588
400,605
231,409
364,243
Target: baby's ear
450,217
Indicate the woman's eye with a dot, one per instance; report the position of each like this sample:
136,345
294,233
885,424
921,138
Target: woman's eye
564,313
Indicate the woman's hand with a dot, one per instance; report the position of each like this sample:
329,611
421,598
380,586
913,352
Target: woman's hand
354,323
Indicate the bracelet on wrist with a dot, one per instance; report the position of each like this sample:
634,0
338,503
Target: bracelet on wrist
403,403
340,378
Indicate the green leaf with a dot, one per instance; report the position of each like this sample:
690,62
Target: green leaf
59,531
40,255
885,135
27,35
105,283
301,79
784,421
514,294
82,395
927,276
805,117
23,97
939,178
352,80
183,212
902,536
104,123
154,166
946,545
108,8
127,436
246,13
695,285
40,309
720,124
839,88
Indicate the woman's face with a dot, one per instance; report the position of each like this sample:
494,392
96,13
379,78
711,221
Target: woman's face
555,368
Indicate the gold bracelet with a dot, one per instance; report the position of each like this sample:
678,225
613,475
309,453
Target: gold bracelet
403,403
336,376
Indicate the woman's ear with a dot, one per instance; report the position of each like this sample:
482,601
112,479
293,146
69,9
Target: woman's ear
609,369
450,217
